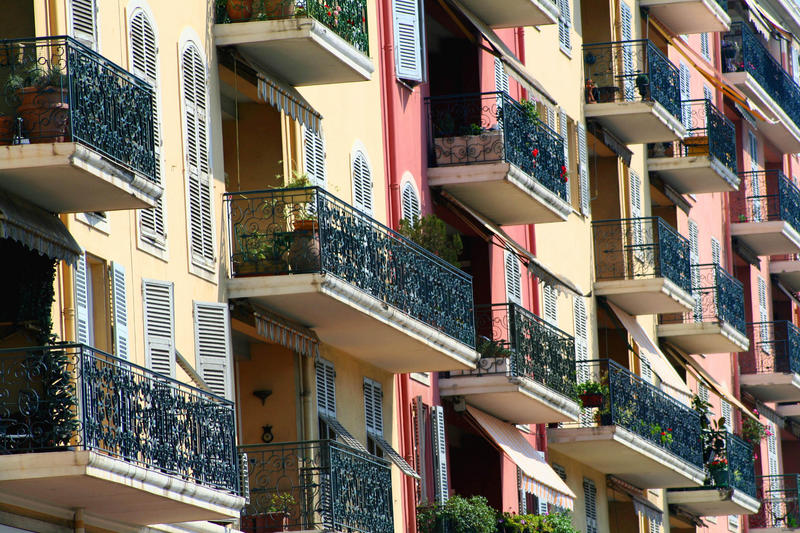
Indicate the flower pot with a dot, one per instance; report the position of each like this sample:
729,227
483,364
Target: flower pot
305,225
279,8
304,252
720,477
6,130
45,114
696,145
592,399
239,10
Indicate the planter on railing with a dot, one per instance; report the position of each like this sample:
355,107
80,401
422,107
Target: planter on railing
774,348
780,502
479,128
765,196
70,396
308,230
316,485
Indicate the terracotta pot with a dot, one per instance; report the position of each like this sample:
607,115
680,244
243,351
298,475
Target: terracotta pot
6,130
696,145
278,8
45,114
305,225
591,399
239,10
304,252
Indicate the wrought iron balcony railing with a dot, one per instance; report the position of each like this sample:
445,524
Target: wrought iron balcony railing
774,348
640,248
743,52
628,71
69,396
514,341
739,472
345,18
779,496
709,133
296,231
317,484
478,128
718,297
766,195
57,89
643,409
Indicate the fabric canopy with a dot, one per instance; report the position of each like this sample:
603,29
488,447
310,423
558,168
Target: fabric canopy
538,477
36,229
281,331
284,97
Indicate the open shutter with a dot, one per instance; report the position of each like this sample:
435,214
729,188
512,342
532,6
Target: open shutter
694,261
212,346
119,304
795,65
583,156
513,279
314,153
373,402
410,202
439,454
500,77
716,252
772,451
362,184
766,342
704,47
326,388
159,326
82,327
637,229
550,305
563,124
727,414
564,25
408,39
685,86
83,22
590,504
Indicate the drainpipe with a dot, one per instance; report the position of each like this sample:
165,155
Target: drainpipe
68,300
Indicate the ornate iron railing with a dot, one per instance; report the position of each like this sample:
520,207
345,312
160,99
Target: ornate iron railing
515,342
315,484
295,231
346,18
718,297
743,52
766,195
57,90
774,347
627,71
638,248
740,472
779,496
643,409
69,396
476,128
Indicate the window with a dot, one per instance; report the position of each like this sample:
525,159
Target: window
410,203
513,278
314,156
200,210
705,50
583,163
92,310
159,326
590,504
373,412
83,22
694,261
212,347
408,38
329,426
564,26
439,454
686,94
550,298
362,183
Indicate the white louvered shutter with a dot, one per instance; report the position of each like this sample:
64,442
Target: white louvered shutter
551,118
439,454
195,110
83,22
705,50
583,157
83,329
563,124
564,26
314,155
795,65
373,402
707,94
212,347
646,370
408,39
716,252
119,306
513,279
326,387
733,522
550,298
362,184
766,342
159,326
500,77
772,451
410,203
755,182
727,414
582,351
627,51
694,260
637,228
542,507
685,86
590,504
702,392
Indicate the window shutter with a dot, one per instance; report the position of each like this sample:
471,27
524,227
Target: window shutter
563,124
582,351
646,370
772,451
686,84
733,522
716,252
83,22
513,279
408,39
314,148
704,47
763,313
727,414
541,507
590,504
326,387
410,203
795,65
550,305
120,310
439,454
627,51
583,156
373,406
362,184
500,76
707,94
212,347
702,392
82,325
694,261
637,229
159,326
755,182
564,25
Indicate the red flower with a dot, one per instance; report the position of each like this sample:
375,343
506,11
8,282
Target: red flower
329,13
535,152
663,432
669,429
564,179
363,19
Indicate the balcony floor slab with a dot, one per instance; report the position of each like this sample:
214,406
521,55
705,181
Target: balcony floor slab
788,272
516,400
299,50
637,122
502,192
714,501
690,16
615,450
68,177
704,337
357,323
694,174
772,387
645,296
112,489
791,410
514,13
774,237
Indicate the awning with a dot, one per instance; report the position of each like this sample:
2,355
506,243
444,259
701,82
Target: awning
36,229
284,97
281,331
650,353
513,65
538,477
534,265
394,457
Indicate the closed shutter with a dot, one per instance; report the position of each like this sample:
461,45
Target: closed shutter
410,203
646,371
702,392
159,326
439,454
582,351
707,94
686,85
542,507
716,252
583,156
704,47
766,342
408,39
694,261
513,279
314,155
212,347
551,118
421,447
500,77
119,306
362,184
772,451
83,328
83,22
326,388
201,230
373,402
550,305
727,414
627,51
590,504
564,26
563,123
637,228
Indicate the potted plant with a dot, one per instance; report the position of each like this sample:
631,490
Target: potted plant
470,143
279,511
263,255
754,431
458,515
490,349
643,86
718,472
662,435
591,393
238,10
44,105
430,232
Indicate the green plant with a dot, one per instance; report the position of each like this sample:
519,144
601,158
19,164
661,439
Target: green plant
53,77
459,515
529,523
664,435
474,129
754,431
491,348
590,387
792,521
430,232
531,111
281,503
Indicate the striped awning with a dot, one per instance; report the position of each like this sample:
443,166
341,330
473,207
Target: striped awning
538,477
281,331
283,97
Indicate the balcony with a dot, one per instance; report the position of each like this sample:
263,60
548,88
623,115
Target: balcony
642,266
779,498
691,16
787,269
703,162
303,42
496,156
639,433
81,429
769,371
633,90
716,324
360,286
526,374
730,490
748,65
76,130
316,485
765,213
514,13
